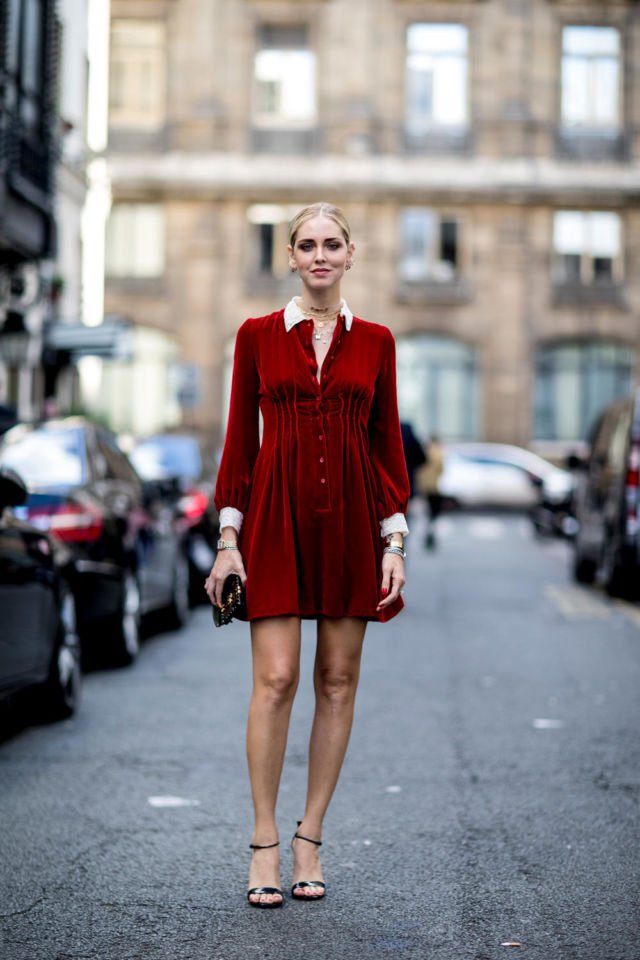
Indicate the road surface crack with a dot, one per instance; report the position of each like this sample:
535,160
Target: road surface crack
21,913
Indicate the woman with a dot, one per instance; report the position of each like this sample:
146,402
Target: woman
316,513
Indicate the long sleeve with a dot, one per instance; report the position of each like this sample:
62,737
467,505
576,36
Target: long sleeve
233,485
385,440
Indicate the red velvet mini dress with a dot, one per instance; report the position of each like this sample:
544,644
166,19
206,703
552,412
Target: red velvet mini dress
328,468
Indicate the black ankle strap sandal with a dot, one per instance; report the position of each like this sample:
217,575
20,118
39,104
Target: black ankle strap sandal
258,891
318,886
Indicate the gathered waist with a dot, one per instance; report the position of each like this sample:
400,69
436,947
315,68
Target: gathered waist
312,408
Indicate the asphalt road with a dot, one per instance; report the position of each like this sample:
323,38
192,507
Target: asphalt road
490,795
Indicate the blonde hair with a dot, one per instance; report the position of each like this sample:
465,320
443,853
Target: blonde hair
320,210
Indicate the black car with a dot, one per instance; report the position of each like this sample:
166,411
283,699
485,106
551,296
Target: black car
175,461
607,503
38,643
128,543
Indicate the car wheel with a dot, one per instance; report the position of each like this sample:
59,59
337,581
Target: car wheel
178,609
125,643
620,573
584,568
61,692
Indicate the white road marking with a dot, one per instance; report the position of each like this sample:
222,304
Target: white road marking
547,723
169,801
394,789
577,603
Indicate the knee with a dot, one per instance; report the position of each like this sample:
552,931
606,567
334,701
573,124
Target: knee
337,686
278,686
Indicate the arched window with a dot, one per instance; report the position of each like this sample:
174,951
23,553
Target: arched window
574,381
438,386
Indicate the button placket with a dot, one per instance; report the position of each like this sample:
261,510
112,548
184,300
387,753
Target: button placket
324,498
320,407
310,354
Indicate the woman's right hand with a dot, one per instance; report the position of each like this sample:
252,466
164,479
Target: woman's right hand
227,562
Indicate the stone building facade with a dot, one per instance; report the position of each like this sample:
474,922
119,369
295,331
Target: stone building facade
486,152
29,147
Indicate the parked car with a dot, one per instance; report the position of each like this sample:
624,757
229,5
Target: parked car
39,647
607,543
555,513
128,544
176,461
501,475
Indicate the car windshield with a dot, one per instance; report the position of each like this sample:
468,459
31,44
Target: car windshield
47,457
160,458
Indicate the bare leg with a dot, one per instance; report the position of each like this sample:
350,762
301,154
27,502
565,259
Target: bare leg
336,675
275,646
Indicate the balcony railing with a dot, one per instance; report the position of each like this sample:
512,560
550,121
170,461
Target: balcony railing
607,293
591,145
442,292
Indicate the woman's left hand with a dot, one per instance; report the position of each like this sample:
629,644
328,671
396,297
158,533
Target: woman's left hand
392,579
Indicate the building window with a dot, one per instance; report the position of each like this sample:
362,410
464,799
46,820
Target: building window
590,79
135,241
270,229
29,40
574,382
429,244
587,248
284,78
436,83
438,386
137,84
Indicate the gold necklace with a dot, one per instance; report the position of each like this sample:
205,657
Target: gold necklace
324,319
320,315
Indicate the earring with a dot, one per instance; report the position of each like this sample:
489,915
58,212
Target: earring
348,266
292,266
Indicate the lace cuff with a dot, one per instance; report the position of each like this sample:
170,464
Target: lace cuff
230,517
394,524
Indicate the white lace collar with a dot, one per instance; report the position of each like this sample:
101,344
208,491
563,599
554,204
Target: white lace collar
293,314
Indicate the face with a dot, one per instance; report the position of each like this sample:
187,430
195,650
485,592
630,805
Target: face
320,253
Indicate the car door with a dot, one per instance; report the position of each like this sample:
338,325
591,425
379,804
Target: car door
614,508
597,486
507,484
150,524
27,602
161,560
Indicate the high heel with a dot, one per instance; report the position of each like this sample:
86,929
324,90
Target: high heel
306,884
258,891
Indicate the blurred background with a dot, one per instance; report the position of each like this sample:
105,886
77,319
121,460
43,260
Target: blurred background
486,154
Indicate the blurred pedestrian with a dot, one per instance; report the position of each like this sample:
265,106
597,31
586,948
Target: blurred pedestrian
414,455
316,513
428,481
